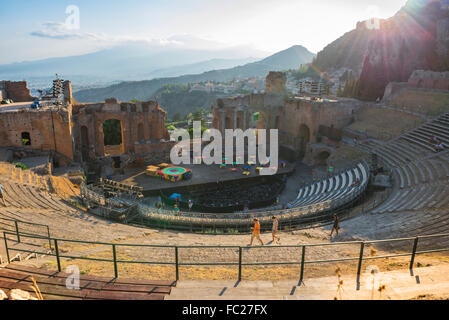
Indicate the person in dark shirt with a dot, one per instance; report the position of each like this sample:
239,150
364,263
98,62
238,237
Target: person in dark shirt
335,226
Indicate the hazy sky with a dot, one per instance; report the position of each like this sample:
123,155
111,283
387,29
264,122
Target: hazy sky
36,29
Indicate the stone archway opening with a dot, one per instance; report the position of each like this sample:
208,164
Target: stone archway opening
113,137
26,139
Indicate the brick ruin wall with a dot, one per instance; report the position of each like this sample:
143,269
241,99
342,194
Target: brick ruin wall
59,129
429,80
48,130
143,129
420,79
15,90
294,118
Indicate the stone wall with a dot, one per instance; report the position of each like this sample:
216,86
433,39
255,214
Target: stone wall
392,89
298,120
49,129
429,80
15,90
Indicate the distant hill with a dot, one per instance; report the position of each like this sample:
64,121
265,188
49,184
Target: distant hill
199,67
414,38
134,61
290,58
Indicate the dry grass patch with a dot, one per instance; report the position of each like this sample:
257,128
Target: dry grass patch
430,103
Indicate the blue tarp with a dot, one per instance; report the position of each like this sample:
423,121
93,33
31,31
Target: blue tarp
176,195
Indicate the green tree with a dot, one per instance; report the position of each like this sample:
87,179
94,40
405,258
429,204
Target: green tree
112,130
177,116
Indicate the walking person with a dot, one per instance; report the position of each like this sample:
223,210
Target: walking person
335,226
190,205
274,230
176,208
1,195
256,232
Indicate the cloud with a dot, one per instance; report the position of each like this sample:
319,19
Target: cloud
59,30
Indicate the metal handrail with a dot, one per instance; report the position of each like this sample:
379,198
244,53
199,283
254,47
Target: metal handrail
238,263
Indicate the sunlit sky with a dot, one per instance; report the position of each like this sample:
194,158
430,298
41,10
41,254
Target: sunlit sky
36,29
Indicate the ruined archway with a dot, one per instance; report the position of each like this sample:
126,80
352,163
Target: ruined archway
302,140
113,137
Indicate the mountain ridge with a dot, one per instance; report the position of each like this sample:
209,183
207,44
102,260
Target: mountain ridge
289,58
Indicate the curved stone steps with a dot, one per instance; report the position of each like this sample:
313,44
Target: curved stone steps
439,133
404,198
49,201
393,198
35,201
407,175
428,202
390,160
444,164
15,194
443,203
440,196
402,154
9,215
424,146
9,197
424,200
414,174
436,169
400,177
441,127
434,225
411,199
422,175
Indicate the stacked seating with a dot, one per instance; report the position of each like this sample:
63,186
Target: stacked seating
420,171
21,195
53,285
340,186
